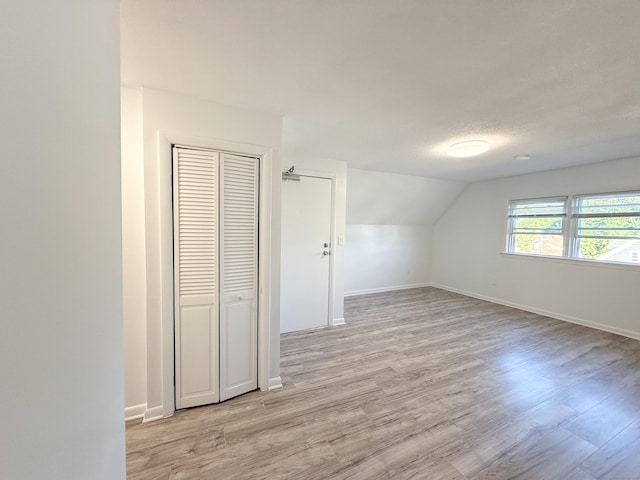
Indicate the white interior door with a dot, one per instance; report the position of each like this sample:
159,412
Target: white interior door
306,248
195,198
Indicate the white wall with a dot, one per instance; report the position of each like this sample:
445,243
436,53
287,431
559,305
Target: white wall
380,258
389,218
61,408
134,286
470,236
337,169
167,115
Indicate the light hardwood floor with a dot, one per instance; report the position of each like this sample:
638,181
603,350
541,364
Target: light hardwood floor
423,384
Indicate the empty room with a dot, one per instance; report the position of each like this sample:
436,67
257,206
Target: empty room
339,239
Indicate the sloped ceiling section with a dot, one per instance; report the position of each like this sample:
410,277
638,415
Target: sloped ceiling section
376,198
388,85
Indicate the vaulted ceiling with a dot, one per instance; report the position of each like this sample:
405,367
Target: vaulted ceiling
387,85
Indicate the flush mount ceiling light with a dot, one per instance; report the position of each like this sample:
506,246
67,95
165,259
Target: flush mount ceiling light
522,157
468,148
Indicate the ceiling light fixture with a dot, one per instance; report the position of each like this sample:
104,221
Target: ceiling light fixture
522,157
468,148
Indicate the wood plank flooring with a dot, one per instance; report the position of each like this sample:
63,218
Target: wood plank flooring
422,384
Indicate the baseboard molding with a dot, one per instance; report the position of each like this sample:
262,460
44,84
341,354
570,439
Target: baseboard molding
355,293
338,321
134,412
155,413
546,313
275,383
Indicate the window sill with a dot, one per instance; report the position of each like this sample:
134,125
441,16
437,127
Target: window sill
574,261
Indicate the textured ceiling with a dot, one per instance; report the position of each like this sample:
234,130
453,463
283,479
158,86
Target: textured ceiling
387,85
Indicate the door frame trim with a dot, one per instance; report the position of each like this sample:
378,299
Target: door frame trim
303,172
166,322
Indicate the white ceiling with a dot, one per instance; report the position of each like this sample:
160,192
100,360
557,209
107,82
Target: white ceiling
387,85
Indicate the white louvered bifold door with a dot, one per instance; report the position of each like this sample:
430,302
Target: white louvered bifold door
195,211
239,274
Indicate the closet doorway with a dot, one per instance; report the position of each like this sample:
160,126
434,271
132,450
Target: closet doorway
215,257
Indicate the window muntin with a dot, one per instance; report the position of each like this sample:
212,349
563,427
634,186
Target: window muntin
602,227
536,226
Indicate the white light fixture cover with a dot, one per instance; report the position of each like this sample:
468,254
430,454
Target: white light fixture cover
468,148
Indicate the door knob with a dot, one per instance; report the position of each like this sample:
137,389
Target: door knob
325,252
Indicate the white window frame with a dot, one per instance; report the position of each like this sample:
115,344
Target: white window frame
576,215
569,226
511,235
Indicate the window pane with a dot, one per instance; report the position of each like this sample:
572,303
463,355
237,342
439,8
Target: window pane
614,222
609,227
610,250
539,244
609,204
538,225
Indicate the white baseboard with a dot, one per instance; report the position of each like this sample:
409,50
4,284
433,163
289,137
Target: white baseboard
385,289
275,383
155,413
546,313
338,321
134,412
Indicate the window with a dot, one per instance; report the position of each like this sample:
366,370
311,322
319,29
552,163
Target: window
607,226
603,227
537,226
